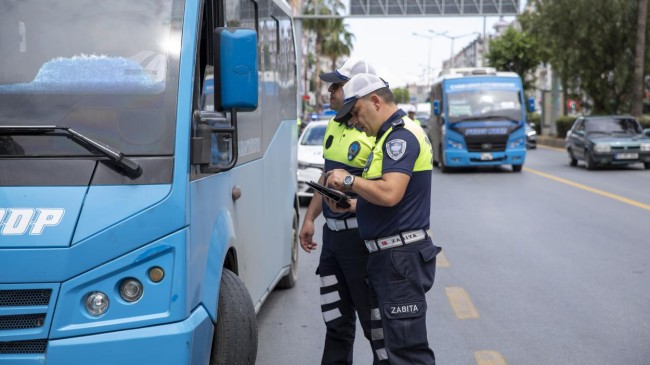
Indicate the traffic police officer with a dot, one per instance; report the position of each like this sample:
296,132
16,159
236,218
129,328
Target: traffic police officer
411,114
393,208
343,260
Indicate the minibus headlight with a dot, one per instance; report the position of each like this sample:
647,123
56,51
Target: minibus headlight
519,142
97,303
131,290
454,144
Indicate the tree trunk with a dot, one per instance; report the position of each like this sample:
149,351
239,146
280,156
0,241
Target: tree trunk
639,55
319,49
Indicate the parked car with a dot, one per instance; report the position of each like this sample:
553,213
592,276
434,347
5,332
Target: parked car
531,136
608,140
310,158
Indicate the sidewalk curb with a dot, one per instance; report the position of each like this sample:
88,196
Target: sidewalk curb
551,141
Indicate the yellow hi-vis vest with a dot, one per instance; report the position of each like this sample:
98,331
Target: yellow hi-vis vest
345,145
424,162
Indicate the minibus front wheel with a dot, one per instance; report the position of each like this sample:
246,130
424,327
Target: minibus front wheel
235,334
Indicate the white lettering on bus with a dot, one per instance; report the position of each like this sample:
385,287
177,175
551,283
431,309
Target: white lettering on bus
18,221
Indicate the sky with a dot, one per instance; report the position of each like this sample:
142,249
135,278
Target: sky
399,56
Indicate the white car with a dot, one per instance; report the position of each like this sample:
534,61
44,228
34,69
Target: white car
310,158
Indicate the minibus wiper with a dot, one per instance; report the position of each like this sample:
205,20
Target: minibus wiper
510,119
484,117
131,168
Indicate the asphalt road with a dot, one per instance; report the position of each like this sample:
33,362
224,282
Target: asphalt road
547,266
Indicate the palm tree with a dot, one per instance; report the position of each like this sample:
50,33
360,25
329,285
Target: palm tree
338,43
331,39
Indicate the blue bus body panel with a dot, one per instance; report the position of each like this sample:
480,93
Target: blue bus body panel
460,158
511,156
186,342
133,227
123,202
224,224
482,82
21,208
161,302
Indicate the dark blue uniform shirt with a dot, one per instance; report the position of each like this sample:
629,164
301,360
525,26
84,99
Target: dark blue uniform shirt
412,212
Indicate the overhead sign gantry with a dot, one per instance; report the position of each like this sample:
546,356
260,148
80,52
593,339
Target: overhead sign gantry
433,8
415,8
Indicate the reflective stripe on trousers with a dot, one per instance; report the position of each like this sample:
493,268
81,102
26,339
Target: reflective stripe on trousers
344,293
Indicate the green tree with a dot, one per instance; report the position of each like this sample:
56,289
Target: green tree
590,43
401,95
515,51
329,34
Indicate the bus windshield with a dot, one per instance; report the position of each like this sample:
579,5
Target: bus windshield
59,66
479,104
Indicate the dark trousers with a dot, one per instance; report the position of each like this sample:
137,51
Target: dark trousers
344,293
399,280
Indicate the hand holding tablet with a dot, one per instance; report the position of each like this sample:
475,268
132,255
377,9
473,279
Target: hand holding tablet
341,199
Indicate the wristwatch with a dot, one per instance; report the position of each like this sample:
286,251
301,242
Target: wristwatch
348,181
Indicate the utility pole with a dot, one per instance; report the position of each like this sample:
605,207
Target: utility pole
429,38
452,38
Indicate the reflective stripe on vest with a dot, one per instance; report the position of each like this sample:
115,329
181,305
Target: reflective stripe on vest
424,161
348,146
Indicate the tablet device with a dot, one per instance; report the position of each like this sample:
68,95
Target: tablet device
340,198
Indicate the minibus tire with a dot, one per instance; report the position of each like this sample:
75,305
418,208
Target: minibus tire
289,280
442,166
235,334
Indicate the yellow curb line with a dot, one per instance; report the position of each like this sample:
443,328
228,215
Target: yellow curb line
590,189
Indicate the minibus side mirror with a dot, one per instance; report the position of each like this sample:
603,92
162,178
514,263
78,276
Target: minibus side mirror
531,105
235,79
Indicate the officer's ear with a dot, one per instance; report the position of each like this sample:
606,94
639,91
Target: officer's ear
376,101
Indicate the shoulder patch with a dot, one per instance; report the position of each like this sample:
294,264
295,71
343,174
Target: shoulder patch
396,148
353,150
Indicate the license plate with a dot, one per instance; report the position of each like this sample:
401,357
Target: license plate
486,156
627,156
